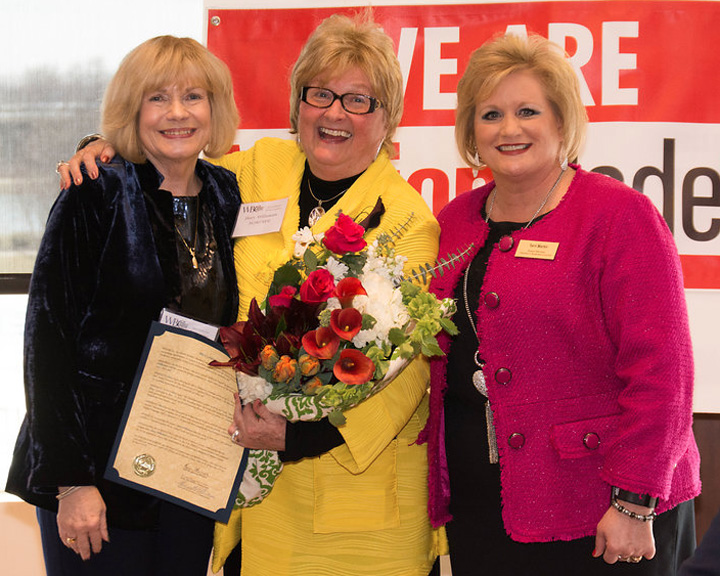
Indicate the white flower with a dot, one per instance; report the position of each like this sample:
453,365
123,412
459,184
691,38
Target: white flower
303,238
389,266
252,387
384,304
338,269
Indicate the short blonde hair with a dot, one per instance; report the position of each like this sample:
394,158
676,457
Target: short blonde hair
500,57
340,43
160,62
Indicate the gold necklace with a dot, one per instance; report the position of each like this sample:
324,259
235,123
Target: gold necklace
191,250
318,212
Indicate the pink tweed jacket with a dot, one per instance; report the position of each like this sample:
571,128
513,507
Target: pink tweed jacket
589,362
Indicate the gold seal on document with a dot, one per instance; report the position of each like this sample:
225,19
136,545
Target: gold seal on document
144,465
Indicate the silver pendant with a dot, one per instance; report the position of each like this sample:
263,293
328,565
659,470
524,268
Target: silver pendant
478,379
492,439
315,215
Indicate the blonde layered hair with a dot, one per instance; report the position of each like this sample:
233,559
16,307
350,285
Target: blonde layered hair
340,43
493,62
157,63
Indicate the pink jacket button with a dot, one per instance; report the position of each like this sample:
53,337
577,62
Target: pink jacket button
506,243
591,441
516,440
492,300
503,376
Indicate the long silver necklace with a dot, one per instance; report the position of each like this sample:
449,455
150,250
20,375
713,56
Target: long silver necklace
542,205
318,212
478,377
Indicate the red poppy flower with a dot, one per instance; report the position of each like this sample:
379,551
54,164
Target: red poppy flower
346,322
353,368
321,343
347,289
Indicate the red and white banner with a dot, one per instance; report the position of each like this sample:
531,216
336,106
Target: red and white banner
649,75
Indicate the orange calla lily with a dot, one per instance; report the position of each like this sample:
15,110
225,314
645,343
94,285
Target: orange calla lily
346,322
321,343
353,367
347,289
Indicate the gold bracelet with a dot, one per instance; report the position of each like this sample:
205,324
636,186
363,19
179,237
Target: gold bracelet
85,140
67,492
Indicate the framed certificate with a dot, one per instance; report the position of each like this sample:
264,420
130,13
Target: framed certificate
173,441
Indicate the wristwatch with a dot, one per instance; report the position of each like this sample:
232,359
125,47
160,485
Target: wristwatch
634,497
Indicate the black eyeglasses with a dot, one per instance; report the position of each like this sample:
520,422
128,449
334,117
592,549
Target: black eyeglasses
353,103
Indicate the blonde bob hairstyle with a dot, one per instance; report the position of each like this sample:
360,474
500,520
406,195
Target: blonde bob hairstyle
157,63
493,62
340,43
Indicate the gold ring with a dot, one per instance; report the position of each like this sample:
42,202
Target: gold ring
634,559
57,166
71,540
234,436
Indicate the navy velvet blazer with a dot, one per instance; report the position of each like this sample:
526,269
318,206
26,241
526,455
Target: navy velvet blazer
106,266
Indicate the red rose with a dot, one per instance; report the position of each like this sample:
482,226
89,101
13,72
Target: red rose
284,298
344,236
318,287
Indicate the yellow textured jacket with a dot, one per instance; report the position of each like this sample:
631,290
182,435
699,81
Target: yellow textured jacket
362,507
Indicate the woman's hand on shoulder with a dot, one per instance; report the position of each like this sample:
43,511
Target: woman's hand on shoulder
81,520
70,171
620,537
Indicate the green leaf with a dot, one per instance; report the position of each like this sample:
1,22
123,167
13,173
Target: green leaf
397,336
431,349
336,418
286,275
449,326
311,260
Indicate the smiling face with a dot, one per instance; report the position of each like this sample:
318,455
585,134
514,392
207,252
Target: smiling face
174,125
339,144
517,132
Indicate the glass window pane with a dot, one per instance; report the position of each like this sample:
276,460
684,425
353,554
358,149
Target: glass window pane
58,59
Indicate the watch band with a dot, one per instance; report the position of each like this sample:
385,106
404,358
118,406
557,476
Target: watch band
634,497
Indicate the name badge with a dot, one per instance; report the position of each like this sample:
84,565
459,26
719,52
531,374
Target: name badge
536,249
255,218
170,318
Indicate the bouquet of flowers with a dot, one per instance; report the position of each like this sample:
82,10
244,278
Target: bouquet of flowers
339,323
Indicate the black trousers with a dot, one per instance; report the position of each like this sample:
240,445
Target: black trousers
179,547
474,551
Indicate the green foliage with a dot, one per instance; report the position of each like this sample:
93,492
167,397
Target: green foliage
426,271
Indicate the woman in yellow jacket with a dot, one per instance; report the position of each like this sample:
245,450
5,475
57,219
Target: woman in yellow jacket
359,507
349,501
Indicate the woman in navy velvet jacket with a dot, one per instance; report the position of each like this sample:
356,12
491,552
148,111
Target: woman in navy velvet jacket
153,231
560,419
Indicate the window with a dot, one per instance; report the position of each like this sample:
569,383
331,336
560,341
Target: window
57,60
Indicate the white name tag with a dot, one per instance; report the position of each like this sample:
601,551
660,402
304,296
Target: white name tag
255,218
170,318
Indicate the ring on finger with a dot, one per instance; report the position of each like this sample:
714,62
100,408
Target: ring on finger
634,559
234,436
59,164
70,540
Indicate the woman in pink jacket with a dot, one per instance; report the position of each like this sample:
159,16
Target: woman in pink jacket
560,437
